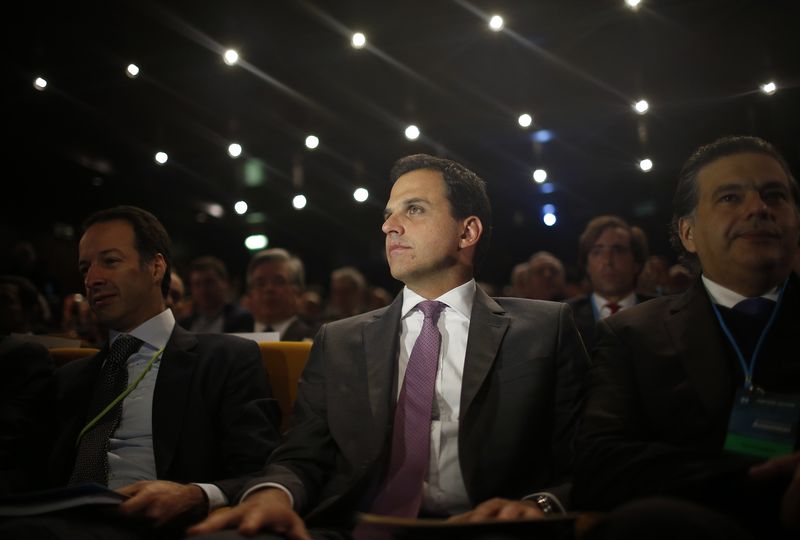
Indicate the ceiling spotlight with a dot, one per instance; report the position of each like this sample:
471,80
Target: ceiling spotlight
549,219
215,210
412,132
235,150
39,83
360,194
539,176
646,165
161,157
496,23
312,141
641,106
359,40
525,120
633,4
240,207
769,88
132,71
299,201
256,241
230,57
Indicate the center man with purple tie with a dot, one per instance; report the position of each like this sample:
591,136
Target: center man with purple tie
445,403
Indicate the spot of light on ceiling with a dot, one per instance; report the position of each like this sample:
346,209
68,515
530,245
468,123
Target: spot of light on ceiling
412,132
539,176
525,120
359,40
40,83
641,106
312,141
542,136
256,241
235,150
299,202
360,194
240,207
496,23
547,188
161,157
646,165
132,71
215,210
633,4
549,219
769,88
231,57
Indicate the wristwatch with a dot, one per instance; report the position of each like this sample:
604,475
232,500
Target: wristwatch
546,505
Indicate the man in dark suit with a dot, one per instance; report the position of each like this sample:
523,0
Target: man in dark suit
195,415
212,310
275,281
672,378
611,253
503,402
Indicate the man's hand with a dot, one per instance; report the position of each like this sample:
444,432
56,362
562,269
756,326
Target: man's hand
268,508
788,465
160,501
500,510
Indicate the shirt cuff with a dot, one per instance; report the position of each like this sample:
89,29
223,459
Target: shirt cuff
259,487
216,498
553,499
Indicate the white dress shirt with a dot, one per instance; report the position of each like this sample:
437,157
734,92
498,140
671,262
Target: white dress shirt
727,298
602,303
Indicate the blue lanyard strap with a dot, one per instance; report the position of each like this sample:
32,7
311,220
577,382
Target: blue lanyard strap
120,397
748,369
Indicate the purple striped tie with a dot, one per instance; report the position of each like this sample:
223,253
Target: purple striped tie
401,493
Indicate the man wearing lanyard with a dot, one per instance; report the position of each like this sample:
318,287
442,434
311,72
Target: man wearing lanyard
172,419
696,396
435,405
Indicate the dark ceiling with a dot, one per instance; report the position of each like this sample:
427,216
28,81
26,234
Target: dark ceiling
88,140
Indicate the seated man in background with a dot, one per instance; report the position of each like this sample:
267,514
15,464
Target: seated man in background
275,281
545,277
696,396
436,405
212,310
190,414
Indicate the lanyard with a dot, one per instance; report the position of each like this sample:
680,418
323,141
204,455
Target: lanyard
131,387
748,369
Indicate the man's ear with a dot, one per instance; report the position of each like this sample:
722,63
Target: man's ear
159,268
686,233
471,231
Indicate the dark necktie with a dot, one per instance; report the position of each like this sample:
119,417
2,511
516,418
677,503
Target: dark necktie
613,307
755,307
401,493
91,462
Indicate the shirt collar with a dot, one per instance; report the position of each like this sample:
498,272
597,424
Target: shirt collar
727,298
154,332
460,299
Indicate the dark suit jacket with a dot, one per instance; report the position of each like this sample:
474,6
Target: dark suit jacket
518,404
213,415
658,401
26,371
236,319
585,321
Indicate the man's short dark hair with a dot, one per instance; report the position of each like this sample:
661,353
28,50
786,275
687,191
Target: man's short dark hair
297,273
595,228
465,190
149,236
686,197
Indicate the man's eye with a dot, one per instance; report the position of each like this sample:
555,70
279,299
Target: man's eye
414,209
774,196
730,197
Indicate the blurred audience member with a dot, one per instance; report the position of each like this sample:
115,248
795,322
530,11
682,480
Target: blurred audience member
680,279
78,321
378,297
311,305
348,294
22,308
275,280
654,278
487,287
212,310
612,253
519,281
176,298
545,277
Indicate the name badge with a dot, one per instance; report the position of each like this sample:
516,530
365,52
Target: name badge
763,424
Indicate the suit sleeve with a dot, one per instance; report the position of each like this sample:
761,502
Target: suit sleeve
619,456
302,462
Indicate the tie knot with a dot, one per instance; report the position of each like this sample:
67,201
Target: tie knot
124,346
755,307
431,309
613,307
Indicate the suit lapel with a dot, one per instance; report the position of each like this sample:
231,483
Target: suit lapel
171,393
487,326
698,341
381,345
